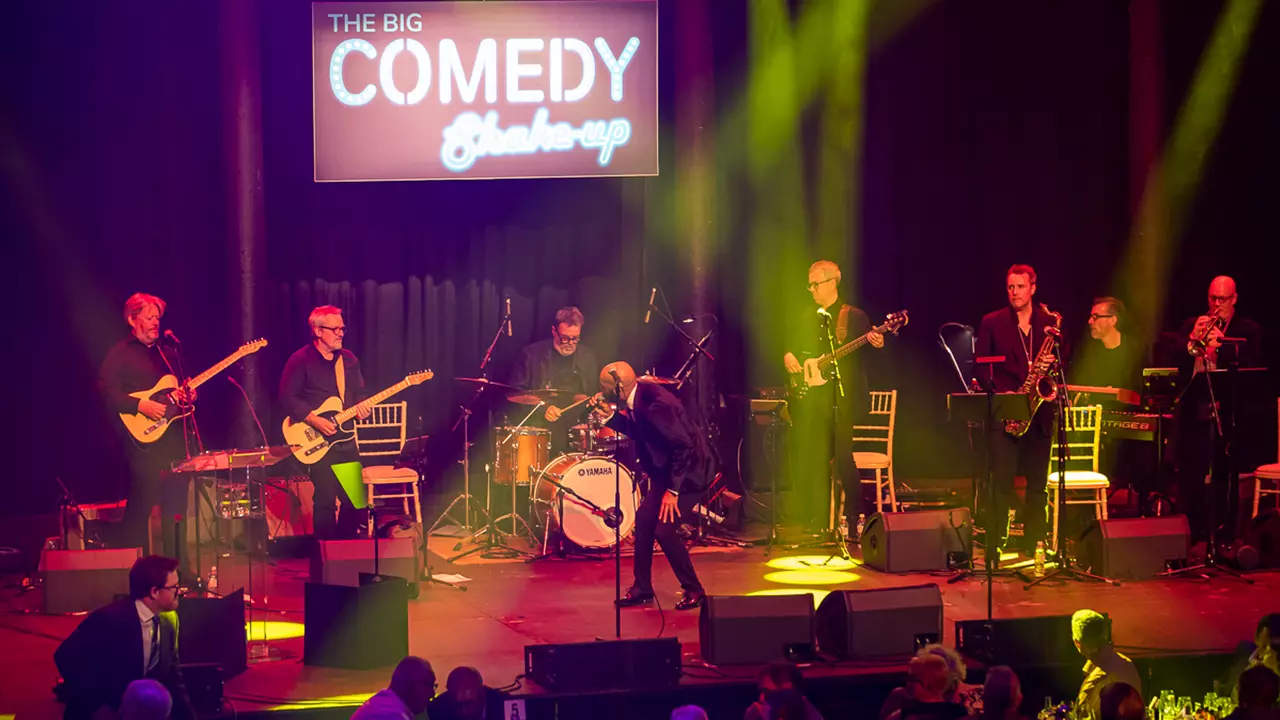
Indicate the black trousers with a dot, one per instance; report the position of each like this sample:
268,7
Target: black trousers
150,485
818,450
1012,457
649,528
1203,499
345,523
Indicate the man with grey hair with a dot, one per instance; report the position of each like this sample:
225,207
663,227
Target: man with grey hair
562,362
413,684
146,700
1091,632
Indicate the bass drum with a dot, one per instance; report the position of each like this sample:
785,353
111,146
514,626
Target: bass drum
591,477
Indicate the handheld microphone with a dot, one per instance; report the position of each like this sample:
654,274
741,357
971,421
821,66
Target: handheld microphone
653,292
507,310
252,412
617,382
172,338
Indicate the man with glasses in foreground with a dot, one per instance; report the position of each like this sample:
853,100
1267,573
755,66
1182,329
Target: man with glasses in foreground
319,370
131,639
562,362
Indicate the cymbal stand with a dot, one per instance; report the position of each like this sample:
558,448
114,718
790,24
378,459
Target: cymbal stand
514,515
495,544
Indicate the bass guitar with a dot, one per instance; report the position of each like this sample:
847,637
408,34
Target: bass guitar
309,444
814,371
144,429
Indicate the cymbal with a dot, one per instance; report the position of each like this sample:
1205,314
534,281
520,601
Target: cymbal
536,395
658,380
486,382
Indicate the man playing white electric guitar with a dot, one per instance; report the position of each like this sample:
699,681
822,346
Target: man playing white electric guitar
814,440
320,370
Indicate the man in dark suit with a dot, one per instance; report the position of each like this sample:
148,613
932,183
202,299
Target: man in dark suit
677,460
1016,332
130,639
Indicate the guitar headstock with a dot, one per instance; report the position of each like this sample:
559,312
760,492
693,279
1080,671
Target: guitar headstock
419,377
253,346
893,322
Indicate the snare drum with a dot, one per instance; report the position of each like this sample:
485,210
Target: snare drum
519,454
593,479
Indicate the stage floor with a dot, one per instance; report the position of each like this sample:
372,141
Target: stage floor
508,605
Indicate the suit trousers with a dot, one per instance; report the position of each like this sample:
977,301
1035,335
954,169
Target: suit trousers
649,528
817,454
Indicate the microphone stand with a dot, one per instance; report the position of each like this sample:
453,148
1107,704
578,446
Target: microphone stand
614,520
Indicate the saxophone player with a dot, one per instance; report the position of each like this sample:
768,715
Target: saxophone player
1016,332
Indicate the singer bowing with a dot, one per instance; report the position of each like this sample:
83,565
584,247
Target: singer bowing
561,362
137,362
678,464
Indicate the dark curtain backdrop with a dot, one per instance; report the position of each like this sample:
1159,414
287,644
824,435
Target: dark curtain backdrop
994,133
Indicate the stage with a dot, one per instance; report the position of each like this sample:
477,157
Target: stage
510,604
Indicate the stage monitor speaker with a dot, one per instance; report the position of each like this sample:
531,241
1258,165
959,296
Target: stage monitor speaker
1018,642
356,628
85,580
879,623
1134,547
753,629
915,541
213,631
650,664
340,562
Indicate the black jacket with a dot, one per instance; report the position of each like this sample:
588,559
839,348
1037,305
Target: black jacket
104,654
541,365
672,451
999,335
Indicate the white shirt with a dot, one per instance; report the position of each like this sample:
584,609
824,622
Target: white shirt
384,705
145,615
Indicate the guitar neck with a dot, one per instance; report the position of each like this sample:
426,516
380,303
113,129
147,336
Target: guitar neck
847,348
207,375
372,400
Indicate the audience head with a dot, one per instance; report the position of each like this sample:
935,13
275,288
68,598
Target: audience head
929,677
1002,692
787,704
1091,632
1259,687
956,669
779,675
145,700
154,580
689,712
466,687
414,682
1121,701
1268,632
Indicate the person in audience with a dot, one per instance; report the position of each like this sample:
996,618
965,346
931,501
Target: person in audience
788,704
689,712
958,691
1121,701
1258,691
773,678
146,700
466,697
929,677
1264,650
413,684
1092,635
1001,695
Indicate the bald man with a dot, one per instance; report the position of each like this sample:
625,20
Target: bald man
679,467
1198,447
413,684
466,697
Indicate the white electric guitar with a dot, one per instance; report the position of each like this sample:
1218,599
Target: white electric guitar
309,444
815,369
144,429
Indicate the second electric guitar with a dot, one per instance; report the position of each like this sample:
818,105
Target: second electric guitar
309,444
814,373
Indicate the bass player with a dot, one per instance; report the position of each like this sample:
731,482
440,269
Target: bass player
819,450
315,372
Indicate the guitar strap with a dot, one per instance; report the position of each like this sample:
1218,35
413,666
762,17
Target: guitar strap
342,379
842,324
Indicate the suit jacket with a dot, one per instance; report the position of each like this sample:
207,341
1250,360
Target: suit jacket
104,654
1241,327
999,335
672,451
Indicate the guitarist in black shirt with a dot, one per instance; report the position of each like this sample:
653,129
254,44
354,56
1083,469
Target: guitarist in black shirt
817,448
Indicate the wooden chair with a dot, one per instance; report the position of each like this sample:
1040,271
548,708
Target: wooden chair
884,406
1266,479
380,437
1084,484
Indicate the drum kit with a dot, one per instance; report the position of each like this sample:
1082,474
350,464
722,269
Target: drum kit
571,494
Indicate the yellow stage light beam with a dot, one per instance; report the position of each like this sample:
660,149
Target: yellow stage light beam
812,576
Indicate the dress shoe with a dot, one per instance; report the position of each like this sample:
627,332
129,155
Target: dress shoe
635,597
692,599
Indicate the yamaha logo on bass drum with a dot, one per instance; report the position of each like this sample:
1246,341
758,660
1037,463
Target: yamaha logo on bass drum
586,471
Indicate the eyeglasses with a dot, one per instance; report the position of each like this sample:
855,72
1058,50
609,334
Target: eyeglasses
1095,316
815,285
567,340
340,330
1221,298
175,589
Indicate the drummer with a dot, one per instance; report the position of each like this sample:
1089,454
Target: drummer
561,363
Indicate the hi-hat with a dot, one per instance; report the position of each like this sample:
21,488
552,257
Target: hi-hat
486,382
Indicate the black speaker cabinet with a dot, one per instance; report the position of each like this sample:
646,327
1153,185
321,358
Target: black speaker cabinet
356,628
340,562
1134,547
650,664
1018,642
85,580
915,541
877,623
742,629
213,632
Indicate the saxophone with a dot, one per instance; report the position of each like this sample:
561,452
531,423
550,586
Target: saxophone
1039,387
